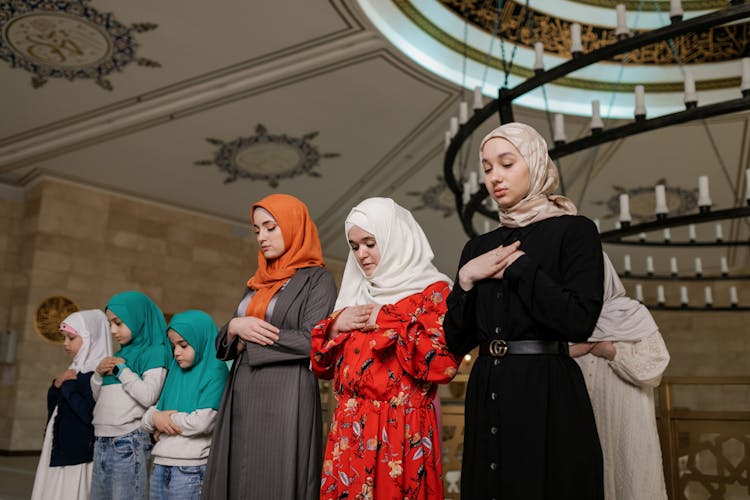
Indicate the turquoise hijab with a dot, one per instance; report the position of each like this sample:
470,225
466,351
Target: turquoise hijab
146,349
202,384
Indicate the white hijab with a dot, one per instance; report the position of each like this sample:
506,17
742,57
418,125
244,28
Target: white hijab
405,266
622,318
93,328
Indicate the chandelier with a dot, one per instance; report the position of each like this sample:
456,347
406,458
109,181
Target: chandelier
472,198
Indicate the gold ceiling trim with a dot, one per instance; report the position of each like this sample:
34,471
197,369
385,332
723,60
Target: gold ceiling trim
524,26
458,46
658,5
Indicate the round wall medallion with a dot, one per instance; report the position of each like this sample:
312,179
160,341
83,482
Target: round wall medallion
67,39
50,314
266,157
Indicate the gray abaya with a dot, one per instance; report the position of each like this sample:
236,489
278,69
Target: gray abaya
267,440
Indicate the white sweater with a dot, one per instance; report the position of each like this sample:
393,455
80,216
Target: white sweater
191,447
120,407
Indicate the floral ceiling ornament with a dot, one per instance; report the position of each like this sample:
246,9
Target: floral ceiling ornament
67,39
266,157
437,197
643,201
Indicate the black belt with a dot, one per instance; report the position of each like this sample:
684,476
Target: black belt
498,348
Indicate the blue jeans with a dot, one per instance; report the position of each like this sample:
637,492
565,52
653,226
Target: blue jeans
177,482
121,467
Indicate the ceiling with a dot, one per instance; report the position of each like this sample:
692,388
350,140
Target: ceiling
334,110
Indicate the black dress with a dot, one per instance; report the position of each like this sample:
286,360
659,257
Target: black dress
530,432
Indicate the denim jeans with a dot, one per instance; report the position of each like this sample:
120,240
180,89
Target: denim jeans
121,467
177,482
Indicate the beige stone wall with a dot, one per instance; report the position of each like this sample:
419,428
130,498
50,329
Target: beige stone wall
88,244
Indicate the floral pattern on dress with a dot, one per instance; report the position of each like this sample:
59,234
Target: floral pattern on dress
383,441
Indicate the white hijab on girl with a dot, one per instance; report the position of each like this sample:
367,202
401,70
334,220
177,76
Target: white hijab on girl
93,328
405,266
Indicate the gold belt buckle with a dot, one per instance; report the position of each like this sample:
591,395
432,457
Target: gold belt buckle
498,348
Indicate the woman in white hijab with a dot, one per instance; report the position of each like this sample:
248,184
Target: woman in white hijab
385,350
524,291
65,465
622,362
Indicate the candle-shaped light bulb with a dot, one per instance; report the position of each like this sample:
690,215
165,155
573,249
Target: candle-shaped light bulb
538,56
453,126
596,118
698,267
466,194
642,237
667,235
691,97
691,233
624,208
463,112
660,295
673,266
683,296
559,134
626,263
478,98
708,295
704,198
747,185
622,24
661,200
473,182
719,232
734,300
650,265
576,47
745,83
639,292
640,102
675,10
724,267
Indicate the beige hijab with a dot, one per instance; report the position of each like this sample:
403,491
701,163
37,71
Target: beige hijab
622,318
539,203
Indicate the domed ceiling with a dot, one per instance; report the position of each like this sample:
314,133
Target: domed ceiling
491,44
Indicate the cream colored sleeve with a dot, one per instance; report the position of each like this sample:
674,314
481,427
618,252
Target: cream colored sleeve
641,363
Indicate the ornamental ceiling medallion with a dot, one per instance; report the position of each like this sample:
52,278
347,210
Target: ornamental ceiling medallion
67,39
266,157
437,197
525,26
50,313
643,201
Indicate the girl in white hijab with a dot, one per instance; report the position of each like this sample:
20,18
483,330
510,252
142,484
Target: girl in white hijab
385,350
65,465
622,362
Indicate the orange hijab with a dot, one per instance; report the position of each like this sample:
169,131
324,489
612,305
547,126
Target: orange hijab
301,249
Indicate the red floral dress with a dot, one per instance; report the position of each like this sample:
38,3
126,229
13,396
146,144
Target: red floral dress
383,442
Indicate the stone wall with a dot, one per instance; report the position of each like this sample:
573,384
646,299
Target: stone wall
87,244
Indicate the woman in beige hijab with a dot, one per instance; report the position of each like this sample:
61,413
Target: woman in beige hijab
523,292
622,362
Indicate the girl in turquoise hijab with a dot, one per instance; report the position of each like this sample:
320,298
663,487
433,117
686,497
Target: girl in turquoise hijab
185,415
147,348
125,386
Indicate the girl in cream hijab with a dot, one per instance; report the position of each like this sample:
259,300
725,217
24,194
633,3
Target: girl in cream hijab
523,292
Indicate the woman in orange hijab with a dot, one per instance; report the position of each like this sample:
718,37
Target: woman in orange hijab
267,442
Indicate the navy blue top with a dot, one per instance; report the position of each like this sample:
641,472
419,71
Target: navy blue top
72,432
